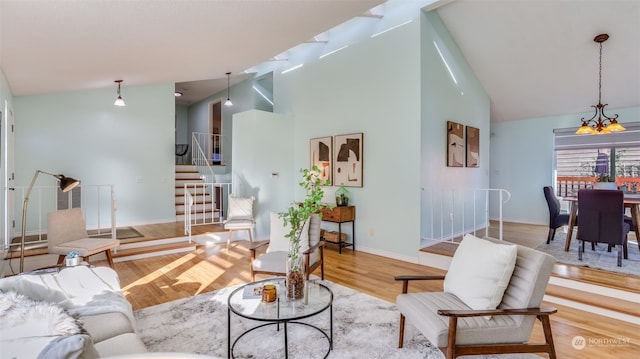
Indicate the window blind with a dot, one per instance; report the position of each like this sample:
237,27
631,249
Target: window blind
566,138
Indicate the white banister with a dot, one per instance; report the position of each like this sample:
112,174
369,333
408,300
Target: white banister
198,211
206,150
451,208
98,205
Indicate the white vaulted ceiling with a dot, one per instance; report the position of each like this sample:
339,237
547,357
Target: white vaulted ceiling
534,57
537,57
66,45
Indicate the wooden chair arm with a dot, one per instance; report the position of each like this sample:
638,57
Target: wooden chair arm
479,313
418,277
314,247
406,278
257,244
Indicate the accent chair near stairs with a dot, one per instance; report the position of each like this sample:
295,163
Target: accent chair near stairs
67,232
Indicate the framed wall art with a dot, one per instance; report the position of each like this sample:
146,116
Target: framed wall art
321,151
455,144
348,160
473,146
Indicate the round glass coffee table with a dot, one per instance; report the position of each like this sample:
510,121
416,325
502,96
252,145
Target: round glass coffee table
247,303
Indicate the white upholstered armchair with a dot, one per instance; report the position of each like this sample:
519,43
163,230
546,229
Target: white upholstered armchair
274,260
491,299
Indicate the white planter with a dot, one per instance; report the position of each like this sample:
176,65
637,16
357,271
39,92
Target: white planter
605,185
72,262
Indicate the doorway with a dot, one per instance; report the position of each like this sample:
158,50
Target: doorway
215,130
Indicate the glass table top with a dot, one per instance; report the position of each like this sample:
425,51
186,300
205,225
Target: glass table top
246,301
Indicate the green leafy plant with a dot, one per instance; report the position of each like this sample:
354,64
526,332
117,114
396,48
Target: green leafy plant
299,212
604,177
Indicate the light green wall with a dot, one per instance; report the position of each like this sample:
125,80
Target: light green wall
463,101
371,87
83,135
262,156
6,100
243,99
522,160
182,118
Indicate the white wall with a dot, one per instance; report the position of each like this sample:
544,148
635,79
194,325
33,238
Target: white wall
522,160
83,135
443,99
371,87
6,100
262,156
243,98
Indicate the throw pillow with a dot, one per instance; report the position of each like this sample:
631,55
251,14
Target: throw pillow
277,240
480,272
240,208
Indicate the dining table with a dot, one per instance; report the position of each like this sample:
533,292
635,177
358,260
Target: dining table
631,200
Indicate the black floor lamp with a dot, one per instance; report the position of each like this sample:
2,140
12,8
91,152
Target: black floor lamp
66,185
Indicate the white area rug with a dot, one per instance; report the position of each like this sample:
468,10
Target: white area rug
599,258
363,327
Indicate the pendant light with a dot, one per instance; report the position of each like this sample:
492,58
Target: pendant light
119,101
600,123
228,102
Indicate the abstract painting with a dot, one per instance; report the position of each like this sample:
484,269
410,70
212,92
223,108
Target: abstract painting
347,164
455,144
321,151
473,146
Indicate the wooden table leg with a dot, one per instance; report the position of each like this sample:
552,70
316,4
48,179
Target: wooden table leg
572,220
635,215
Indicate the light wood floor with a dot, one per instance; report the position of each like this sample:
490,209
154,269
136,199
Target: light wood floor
152,281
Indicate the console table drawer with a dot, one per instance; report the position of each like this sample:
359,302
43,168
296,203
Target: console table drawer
339,214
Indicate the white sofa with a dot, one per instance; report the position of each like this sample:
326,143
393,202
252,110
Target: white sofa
76,312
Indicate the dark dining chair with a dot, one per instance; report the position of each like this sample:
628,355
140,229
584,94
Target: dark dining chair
602,220
556,219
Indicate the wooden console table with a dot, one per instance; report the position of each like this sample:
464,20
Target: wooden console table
339,215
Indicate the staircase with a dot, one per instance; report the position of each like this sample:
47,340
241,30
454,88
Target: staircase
143,248
203,206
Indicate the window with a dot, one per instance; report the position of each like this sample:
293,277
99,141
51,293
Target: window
582,160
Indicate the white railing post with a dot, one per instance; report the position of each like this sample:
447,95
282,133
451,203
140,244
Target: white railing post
453,204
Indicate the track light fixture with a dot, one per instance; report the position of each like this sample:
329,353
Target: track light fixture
228,102
119,101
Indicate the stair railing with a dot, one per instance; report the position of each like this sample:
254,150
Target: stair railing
205,203
451,213
202,144
98,203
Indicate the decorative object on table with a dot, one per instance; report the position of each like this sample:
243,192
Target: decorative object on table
269,293
321,151
66,185
473,146
342,196
604,181
455,144
348,160
72,259
603,124
296,217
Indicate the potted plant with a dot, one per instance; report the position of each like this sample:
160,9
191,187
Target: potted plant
604,181
296,217
342,196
